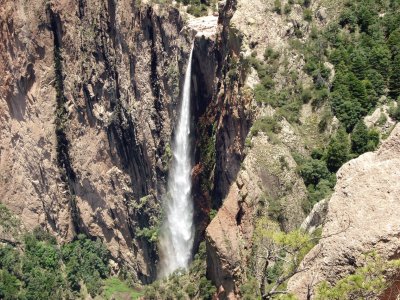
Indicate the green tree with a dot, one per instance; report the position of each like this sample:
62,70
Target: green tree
44,284
377,80
394,42
358,63
367,282
86,261
373,140
338,150
284,249
380,58
394,80
346,109
359,138
9,286
313,171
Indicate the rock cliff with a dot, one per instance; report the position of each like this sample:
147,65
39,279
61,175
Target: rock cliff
88,97
88,107
360,218
89,91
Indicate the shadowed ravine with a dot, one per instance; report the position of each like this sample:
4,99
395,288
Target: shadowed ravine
177,234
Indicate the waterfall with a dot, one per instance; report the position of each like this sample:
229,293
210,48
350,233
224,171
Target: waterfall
176,238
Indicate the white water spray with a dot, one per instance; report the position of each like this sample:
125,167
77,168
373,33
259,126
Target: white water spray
176,240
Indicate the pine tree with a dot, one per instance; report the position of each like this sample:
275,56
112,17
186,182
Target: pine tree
394,80
338,150
359,138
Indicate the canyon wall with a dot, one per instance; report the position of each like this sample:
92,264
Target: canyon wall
89,98
87,108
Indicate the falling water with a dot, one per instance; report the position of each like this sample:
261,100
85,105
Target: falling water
176,238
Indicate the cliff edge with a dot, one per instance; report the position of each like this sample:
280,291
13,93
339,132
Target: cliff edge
360,218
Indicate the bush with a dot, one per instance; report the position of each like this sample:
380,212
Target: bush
307,15
267,125
9,285
271,54
313,171
287,9
197,9
316,193
394,112
86,261
277,7
306,95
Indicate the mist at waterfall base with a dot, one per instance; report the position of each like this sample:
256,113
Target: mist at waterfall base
177,232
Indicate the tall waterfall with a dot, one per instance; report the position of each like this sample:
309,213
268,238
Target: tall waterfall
176,239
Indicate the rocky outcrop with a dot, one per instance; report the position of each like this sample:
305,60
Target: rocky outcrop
88,92
360,218
222,114
267,178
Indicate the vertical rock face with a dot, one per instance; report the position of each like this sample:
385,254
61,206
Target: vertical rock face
360,219
222,115
244,182
88,91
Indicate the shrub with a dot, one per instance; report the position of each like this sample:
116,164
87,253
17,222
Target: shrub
313,171
394,112
287,9
307,15
306,95
277,7
267,125
271,54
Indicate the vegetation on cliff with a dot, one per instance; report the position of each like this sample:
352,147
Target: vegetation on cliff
351,66
353,63
191,284
34,266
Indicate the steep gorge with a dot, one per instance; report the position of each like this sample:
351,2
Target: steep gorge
89,101
87,124
92,131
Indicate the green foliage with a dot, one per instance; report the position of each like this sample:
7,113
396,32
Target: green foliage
313,171
196,8
394,79
41,270
277,7
306,95
271,54
363,140
192,284
338,150
367,282
322,190
287,9
34,273
9,286
249,290
267,125
364,47
307,15
283,252
115,288
212,213
8,222
151,233
275,210
86,261
395,111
